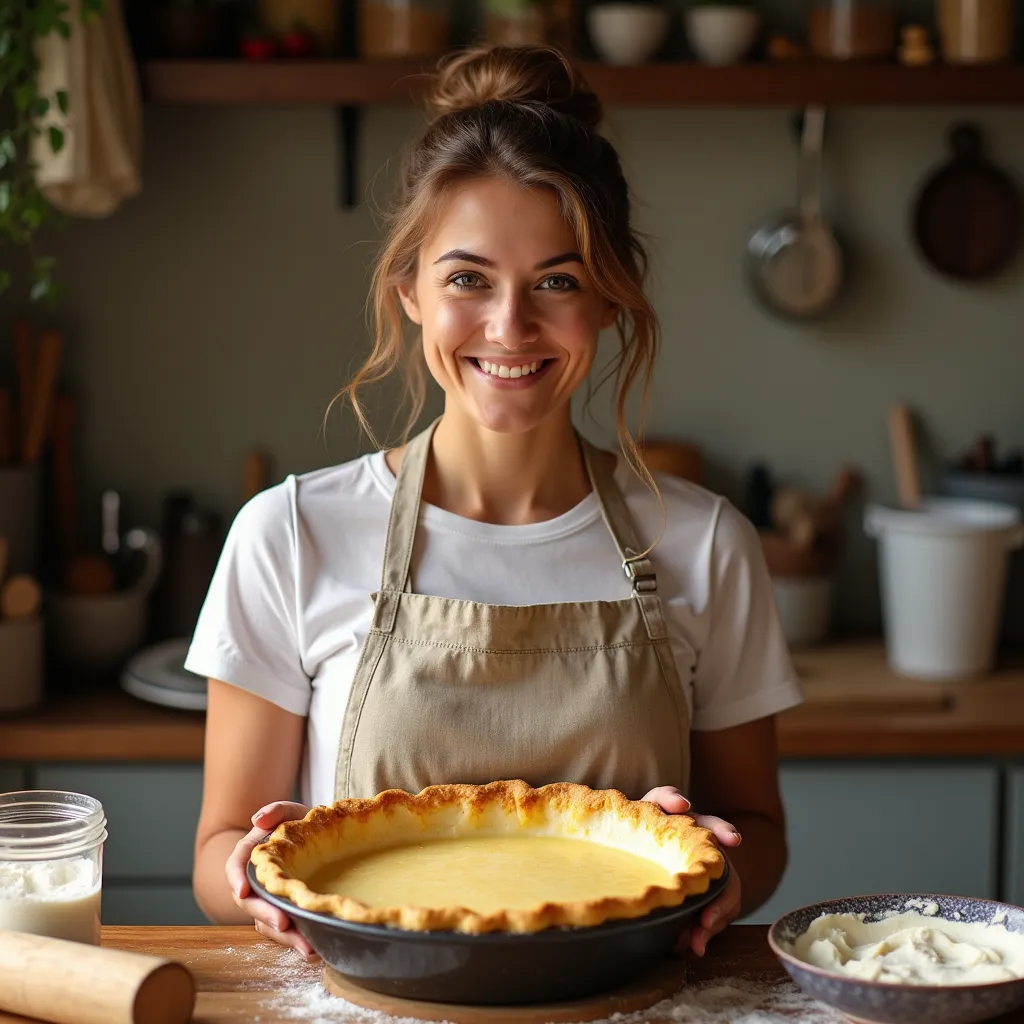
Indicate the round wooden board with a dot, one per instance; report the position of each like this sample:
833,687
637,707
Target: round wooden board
661,981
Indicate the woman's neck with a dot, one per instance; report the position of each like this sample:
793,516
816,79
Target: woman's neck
509,479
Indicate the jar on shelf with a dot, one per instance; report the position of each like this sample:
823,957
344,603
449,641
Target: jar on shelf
975,31
515,22
852,29
51,864
403,28
319,18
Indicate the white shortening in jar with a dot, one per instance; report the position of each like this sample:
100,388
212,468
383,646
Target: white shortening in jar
51,864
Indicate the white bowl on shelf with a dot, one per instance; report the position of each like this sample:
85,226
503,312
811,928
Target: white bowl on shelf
721,34
627,34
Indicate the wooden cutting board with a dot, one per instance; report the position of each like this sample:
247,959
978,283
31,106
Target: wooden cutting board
661,982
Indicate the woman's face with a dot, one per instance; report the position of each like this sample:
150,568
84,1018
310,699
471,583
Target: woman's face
509,316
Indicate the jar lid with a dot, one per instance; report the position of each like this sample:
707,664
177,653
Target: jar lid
45,823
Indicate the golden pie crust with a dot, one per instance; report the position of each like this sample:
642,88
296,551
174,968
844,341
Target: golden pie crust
296,850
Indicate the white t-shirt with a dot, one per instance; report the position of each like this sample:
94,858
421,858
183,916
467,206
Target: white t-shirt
289,605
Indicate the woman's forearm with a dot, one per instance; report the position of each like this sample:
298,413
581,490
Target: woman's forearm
759,860
209,883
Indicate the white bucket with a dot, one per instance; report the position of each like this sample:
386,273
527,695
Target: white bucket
943,576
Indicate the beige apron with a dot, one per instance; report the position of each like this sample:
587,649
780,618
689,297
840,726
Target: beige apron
457,691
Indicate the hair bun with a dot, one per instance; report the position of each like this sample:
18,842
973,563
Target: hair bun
521,74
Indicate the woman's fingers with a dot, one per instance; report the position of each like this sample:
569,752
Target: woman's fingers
289,938
724,831
669,799
264,820
718,915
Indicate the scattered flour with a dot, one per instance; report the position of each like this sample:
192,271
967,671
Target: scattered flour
728,1001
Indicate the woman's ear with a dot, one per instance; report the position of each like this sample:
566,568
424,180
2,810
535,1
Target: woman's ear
407,296
608,317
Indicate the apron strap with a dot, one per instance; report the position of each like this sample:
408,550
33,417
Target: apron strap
405,512
621,525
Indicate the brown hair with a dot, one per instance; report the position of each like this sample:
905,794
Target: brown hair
524,114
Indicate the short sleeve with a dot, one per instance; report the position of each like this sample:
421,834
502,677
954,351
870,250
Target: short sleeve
744,671
248,630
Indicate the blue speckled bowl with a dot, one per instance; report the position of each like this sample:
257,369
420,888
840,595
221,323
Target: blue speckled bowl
873,1002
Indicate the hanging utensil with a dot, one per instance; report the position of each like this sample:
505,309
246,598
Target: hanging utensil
967,218
794,262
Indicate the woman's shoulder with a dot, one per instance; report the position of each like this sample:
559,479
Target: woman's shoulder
325,496
694,516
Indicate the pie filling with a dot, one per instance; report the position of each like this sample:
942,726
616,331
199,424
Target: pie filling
489,873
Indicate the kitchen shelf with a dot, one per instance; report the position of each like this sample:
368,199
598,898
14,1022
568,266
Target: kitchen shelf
342,83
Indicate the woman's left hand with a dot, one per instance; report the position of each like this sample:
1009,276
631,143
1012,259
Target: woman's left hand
717,915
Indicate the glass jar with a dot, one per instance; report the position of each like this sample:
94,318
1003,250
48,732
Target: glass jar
403,28
317,17
852,29
975,31
51,864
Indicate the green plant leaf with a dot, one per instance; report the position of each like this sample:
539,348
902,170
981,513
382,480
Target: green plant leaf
56,139
23,96
62,102
42,107
5,281
5,196
8,150
41,289
6,40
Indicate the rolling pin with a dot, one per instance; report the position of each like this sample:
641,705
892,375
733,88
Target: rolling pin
74,983
904,456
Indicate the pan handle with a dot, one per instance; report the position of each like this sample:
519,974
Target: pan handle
810,172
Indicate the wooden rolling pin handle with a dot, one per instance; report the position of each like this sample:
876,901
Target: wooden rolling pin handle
74,983
904,456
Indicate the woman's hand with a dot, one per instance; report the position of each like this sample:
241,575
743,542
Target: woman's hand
717,915
270,921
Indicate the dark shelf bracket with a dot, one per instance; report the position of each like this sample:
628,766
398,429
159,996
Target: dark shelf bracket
347,124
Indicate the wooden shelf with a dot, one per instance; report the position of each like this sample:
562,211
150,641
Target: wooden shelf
364,83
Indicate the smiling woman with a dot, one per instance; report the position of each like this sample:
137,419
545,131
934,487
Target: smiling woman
495,598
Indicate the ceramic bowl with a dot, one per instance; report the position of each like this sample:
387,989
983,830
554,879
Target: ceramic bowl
873,1002
627,33
721,35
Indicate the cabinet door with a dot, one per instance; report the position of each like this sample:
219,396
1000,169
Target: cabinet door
152,811
856,828
1013,857
152,903
12,777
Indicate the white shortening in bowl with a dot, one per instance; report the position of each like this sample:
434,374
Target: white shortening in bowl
943,578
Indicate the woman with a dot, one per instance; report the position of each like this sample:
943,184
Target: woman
540,609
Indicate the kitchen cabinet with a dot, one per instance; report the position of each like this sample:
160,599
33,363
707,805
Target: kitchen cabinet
888,827
156,903
11,779
1013,858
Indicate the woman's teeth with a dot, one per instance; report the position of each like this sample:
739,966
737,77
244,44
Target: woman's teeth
501,370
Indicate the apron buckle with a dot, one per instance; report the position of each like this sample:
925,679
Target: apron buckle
641,573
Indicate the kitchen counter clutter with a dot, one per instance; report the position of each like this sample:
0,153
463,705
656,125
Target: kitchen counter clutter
856,707
241,977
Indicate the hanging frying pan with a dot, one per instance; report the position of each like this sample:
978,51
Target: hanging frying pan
793,260
967,219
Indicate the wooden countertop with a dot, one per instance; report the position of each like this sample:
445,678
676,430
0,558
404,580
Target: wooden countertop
856,707
242,977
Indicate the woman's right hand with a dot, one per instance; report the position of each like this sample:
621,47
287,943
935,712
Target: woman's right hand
271,922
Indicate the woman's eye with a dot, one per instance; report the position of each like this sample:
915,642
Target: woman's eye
559,283
465,280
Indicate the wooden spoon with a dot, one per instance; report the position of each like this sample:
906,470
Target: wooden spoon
904,457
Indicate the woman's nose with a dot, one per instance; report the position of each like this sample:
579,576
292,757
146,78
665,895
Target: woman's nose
512,322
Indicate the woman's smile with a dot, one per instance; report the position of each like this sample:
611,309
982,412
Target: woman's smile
504,372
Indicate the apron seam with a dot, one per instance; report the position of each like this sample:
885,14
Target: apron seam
622,645
362,704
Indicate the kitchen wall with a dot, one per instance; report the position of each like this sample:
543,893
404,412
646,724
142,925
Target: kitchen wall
222,308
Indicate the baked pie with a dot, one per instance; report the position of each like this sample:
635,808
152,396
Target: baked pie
503,857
